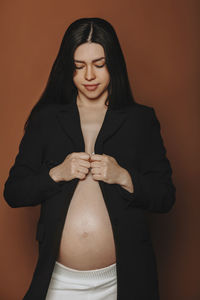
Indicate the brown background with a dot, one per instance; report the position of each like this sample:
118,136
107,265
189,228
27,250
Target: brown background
161,46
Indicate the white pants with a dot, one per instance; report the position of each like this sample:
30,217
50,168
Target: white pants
71,284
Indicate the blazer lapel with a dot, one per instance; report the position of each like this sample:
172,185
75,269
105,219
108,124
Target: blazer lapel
69,120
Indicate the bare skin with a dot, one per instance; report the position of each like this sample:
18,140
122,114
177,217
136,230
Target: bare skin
87,239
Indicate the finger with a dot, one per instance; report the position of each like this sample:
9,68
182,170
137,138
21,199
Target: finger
97,177
96,164
96,171
81,155
94,157
84,163
83,170
80,175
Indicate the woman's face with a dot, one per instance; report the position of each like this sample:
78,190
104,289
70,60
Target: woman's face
90,69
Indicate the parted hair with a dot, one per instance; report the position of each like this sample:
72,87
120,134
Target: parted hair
60,88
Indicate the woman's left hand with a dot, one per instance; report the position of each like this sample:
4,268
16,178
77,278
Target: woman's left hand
106,168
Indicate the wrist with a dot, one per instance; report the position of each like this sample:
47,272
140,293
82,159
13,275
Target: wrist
125,180
54,173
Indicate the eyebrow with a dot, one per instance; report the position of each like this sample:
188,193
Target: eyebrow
94,60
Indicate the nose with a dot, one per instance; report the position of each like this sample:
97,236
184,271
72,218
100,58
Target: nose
89,74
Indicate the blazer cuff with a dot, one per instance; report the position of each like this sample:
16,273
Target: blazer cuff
48,186
128,196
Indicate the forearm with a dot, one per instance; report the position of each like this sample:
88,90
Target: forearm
25,187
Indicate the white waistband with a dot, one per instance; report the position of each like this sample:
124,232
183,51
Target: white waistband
102,273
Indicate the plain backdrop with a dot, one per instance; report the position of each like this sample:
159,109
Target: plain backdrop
160,41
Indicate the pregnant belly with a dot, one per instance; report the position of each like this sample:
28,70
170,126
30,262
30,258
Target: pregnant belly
87,239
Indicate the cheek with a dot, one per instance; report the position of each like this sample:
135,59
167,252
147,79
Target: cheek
76,79
105,76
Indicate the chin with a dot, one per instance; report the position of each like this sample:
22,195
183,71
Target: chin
92,95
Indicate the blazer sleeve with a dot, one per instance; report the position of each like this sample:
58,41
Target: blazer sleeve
154,189
29,182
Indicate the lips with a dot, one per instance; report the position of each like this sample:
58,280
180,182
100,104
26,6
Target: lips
91,87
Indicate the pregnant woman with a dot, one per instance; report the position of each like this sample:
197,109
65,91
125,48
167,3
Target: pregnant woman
95,161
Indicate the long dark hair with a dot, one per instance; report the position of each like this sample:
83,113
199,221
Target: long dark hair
60,88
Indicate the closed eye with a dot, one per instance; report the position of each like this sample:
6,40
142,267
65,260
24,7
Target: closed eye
100,66
95,66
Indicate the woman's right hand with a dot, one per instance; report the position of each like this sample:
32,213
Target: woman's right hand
75,165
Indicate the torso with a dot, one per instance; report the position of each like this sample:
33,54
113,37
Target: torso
87,238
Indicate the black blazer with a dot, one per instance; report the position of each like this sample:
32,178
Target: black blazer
132,136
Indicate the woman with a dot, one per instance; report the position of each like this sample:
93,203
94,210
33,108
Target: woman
95,161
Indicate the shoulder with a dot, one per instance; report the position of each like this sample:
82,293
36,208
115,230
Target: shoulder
144,115
43,117
46,113
142,111
49,110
